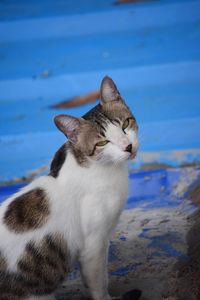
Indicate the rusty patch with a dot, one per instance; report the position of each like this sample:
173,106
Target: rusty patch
118,2
155,166
77,101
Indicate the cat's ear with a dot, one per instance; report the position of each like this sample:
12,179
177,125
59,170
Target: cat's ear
69,125
108,91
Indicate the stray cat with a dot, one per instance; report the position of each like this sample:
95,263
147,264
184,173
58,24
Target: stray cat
70,214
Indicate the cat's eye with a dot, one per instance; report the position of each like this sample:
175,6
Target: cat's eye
125,124
102,143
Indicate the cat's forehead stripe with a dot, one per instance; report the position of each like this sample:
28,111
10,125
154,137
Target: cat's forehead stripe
114,113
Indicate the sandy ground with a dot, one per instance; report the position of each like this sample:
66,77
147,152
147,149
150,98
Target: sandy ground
155,249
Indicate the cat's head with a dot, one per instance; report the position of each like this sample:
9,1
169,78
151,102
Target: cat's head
107,133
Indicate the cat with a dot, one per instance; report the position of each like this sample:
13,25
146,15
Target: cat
69,214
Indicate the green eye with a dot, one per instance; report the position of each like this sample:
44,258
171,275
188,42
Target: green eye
125,125
102,143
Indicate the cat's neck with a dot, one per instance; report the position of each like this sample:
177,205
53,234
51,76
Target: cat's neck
73,171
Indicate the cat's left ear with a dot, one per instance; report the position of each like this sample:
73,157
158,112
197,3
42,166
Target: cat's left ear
108,91
69,125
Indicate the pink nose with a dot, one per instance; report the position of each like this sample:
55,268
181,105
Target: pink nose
129,148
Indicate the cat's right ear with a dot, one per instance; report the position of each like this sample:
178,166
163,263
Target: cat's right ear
108,91
69,125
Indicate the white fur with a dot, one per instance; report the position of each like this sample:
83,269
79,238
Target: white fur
85,204
118,141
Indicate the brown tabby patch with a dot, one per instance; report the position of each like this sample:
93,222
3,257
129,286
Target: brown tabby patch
85,134
3,263
28,211
58,161
92,132
41,269
11,286
45,265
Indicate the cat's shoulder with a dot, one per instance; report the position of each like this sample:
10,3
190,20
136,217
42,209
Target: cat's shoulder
58,160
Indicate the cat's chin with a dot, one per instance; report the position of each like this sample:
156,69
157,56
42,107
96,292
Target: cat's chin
132,155
127,156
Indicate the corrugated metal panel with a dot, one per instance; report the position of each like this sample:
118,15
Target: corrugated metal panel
51,51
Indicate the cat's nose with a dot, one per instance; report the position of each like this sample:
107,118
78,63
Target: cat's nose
129,148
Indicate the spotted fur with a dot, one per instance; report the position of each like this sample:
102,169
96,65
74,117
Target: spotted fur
28,211
70,214
98,120
58,161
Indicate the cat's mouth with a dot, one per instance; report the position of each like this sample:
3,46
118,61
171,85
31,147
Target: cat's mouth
132,155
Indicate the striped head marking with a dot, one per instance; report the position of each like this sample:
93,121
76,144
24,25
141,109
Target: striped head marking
107,133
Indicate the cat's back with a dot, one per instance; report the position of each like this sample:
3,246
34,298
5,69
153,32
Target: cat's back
24,217
29,197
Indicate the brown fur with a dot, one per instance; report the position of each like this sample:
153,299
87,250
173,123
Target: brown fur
92,132
58,161
84,148
3,263
53,256
28,211
41,269
120,113
85,134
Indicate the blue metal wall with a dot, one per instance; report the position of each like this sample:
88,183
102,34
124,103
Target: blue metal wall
53,50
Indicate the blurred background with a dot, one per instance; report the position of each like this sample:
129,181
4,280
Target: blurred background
53,56
55,51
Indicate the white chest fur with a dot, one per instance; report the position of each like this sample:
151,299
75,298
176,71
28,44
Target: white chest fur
98,194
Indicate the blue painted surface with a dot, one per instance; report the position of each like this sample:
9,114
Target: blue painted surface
51,51
149,189
19,10
145,189
7,191
123,271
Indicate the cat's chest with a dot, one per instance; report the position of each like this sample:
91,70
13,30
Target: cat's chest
113,180
98,192
107,189
103,200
